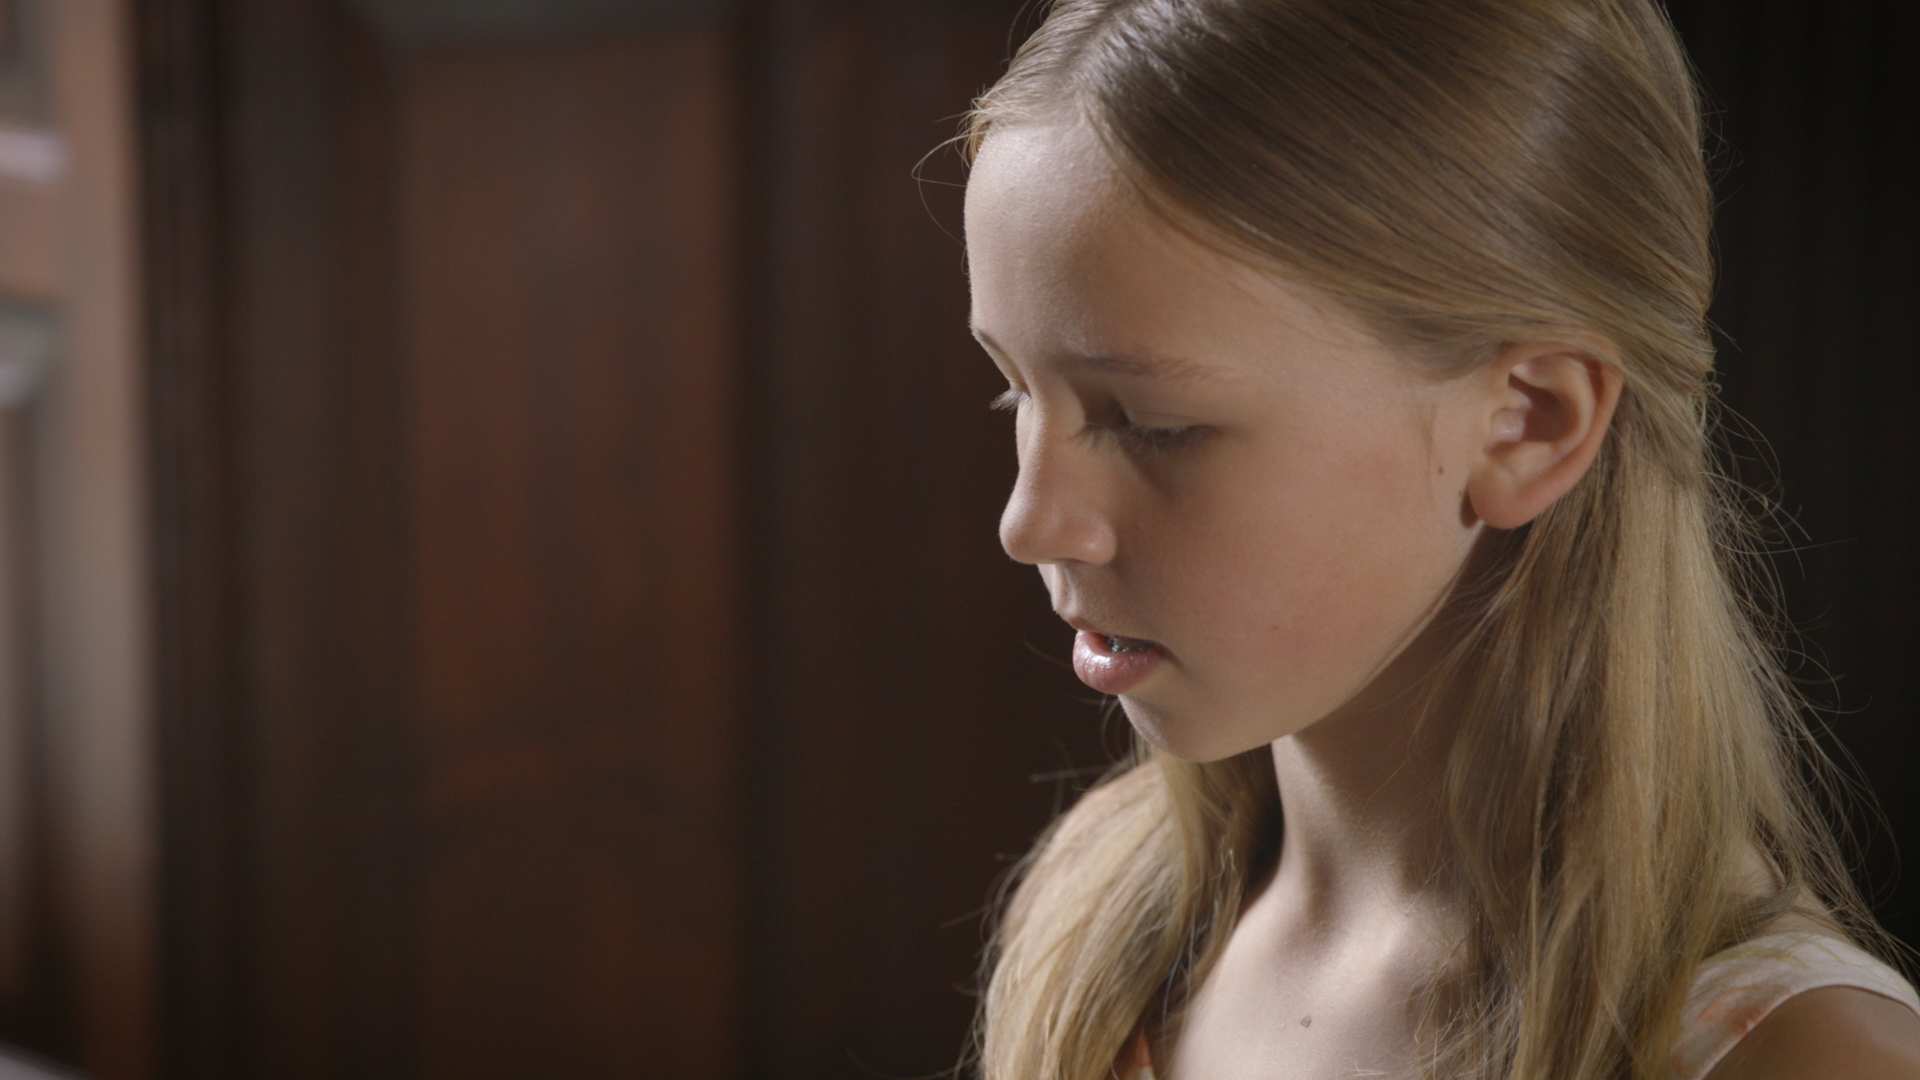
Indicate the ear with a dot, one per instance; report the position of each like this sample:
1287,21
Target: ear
1544,414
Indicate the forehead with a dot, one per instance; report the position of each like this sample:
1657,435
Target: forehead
1066,259
1053,175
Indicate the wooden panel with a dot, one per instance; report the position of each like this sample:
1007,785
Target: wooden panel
197,701
276,437
567,229
92,561
27,951
448,632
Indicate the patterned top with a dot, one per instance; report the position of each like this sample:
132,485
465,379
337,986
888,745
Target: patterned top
1738,987
1734,990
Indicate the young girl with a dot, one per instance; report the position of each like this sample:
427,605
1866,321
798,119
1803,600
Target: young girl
1363,395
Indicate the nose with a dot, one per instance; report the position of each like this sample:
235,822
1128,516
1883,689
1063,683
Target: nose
1055,514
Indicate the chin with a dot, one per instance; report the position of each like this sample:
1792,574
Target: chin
1182,737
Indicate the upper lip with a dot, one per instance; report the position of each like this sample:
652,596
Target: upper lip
1079,623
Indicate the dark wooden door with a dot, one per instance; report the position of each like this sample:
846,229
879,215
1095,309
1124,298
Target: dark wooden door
446,368
586,650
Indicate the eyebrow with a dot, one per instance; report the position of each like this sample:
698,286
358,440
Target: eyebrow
1132,365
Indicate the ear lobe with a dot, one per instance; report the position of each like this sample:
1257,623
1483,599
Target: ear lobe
1547,410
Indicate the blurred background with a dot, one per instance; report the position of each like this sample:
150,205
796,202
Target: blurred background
497,500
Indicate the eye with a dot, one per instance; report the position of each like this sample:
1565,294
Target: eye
1117,424
1156,440
1113,419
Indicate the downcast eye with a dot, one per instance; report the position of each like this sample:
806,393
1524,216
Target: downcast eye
1158,439
1113,418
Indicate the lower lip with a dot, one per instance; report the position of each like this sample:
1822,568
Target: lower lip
1112,672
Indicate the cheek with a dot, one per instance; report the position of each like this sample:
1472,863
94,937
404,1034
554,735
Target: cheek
1314,581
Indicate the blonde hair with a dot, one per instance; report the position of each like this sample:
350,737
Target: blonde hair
1460,173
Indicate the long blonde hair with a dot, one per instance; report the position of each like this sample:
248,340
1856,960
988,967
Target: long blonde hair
1460,173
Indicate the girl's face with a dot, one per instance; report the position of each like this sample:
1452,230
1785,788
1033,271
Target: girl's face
1222,474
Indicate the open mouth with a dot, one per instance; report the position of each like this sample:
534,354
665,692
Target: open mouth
1115,663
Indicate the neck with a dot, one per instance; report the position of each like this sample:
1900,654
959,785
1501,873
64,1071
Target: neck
1360,794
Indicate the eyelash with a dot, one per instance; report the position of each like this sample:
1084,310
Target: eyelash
1151,440
1154,440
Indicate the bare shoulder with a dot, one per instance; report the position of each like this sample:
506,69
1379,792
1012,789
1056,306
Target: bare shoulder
1834,1033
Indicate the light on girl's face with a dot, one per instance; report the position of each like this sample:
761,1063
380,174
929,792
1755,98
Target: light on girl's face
1243,501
